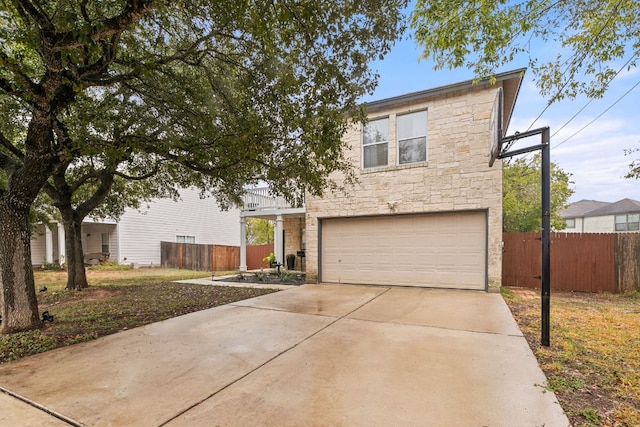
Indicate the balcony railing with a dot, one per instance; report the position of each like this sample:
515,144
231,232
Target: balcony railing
261,199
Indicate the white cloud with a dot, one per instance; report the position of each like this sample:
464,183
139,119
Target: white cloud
595,156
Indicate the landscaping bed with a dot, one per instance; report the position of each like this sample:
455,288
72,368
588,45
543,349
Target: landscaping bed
267,277
593,362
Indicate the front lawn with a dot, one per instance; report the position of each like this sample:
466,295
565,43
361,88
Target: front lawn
115,301
593,362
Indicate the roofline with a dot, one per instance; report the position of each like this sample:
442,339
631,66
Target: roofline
594,212
590,215
468,84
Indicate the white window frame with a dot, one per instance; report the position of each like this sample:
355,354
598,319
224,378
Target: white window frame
416,136
104,242
185,239
385,142
570,222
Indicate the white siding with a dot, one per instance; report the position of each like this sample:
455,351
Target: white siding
92,238
599,224
140,233
576,229
38,245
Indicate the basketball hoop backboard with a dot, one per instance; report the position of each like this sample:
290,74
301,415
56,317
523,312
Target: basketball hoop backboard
495,130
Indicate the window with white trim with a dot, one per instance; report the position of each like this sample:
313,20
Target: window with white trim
185,239
105,242
630,222
375,144
412,137
570,222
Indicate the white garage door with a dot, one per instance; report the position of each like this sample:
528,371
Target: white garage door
434,250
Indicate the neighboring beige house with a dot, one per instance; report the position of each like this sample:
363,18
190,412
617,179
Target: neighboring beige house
592,216
427,210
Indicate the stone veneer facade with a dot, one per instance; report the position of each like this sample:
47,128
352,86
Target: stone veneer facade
455,177
293,237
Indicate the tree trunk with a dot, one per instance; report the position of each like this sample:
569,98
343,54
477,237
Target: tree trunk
25,179
72,218
18,297
76,273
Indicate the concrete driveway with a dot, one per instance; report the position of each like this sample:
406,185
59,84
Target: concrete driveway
315,355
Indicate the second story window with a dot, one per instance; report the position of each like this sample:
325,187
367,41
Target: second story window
630,222
412,137
375,143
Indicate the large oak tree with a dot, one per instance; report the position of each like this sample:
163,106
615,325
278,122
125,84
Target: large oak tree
239,92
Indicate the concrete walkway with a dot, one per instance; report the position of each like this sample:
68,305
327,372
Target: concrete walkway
314,355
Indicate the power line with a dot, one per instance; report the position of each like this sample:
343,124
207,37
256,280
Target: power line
582,57
599,115
588,124
587,104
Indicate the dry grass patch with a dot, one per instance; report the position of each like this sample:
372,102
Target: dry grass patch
593,363
115,301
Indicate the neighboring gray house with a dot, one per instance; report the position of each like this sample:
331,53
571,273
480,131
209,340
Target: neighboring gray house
592,216
427,209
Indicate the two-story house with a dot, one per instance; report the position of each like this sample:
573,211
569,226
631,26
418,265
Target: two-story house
427,209
593,216
135,238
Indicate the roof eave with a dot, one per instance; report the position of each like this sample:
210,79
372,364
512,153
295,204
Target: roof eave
511,82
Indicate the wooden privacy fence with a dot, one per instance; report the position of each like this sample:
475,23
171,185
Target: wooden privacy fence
583,262
192,256
255,253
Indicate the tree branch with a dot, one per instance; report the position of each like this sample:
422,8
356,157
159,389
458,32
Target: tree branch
99,67
106,181
91,174
8,164
4,142
14,68
83,10
106,28
53,194
28,11
139,177
5,86
62,136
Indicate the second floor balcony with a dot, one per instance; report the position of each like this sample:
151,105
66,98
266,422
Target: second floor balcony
261,199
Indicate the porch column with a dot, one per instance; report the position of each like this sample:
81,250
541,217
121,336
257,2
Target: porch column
277,241
62,254
48,245
243,244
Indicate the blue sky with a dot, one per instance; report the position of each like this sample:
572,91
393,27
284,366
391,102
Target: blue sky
595,157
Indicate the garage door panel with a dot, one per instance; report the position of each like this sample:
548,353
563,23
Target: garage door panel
437,250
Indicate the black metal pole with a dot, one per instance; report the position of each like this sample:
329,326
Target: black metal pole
546,235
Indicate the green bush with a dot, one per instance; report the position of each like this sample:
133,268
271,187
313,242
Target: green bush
111,266
269,259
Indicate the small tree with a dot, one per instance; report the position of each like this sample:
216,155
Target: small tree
259,231
521,190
